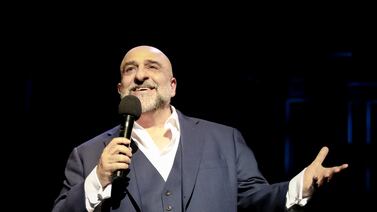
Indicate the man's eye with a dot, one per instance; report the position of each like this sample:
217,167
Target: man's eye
128,69
152,67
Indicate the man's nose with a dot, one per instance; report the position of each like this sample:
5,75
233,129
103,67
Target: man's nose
141,74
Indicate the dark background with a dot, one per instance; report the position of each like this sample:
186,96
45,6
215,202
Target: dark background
285,77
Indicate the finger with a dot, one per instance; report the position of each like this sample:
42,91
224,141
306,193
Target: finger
321,155
122,159
315,182
122,140
121,166
116,166
125,150
320,182
328,178
343,166
118,141
315,179
337,169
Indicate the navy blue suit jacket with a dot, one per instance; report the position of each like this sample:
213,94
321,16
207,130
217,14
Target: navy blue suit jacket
219,172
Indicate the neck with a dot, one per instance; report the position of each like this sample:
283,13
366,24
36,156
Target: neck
155,118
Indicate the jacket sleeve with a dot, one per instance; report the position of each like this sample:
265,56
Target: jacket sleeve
72,195
254,191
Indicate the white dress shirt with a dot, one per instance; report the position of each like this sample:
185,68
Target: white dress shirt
163,161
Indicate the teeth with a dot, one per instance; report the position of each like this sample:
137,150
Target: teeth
143,88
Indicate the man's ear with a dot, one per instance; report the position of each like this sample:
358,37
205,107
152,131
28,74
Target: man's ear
119,87
173,85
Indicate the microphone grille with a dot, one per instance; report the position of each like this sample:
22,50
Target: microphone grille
130,105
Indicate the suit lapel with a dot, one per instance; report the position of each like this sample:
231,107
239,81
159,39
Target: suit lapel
192,147
133,189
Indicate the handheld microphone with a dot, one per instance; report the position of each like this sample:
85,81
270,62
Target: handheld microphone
129,111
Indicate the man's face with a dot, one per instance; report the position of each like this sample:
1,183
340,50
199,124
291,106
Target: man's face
147,73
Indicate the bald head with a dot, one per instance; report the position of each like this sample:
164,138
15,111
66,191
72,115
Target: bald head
147,53
147,73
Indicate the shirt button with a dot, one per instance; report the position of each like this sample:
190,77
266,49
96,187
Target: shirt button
169,208
167,193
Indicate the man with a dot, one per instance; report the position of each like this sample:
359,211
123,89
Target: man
175,162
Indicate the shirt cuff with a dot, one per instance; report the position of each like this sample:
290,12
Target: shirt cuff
294,194
94,193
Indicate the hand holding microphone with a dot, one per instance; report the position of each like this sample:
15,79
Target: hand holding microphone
129,111
115,158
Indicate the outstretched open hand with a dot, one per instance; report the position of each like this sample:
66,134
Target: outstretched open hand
316,175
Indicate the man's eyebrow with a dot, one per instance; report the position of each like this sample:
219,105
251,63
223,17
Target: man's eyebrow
130,63
153,62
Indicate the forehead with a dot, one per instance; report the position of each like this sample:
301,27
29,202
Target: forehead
142,54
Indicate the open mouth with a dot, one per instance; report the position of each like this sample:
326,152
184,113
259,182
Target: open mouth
142,89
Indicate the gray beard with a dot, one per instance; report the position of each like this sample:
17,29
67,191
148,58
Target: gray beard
149,103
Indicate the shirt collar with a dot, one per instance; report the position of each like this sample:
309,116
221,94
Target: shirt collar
171,122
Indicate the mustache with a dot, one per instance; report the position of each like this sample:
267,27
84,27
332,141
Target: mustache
149,85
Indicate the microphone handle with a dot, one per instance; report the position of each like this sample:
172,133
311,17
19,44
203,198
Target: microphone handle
125,131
